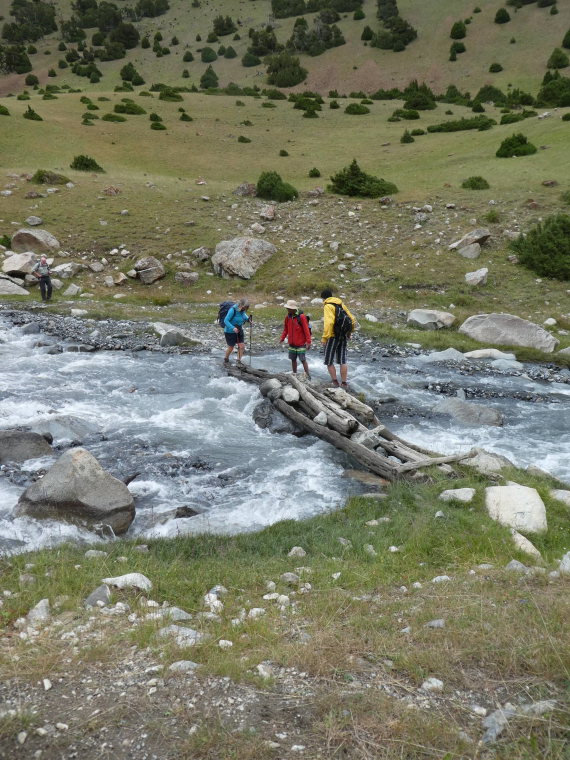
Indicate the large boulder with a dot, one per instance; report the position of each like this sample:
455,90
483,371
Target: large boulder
430,319
17,446
469,413
479,277
20,264
78,490
65,428
480,236
241,257
38,241
267,417
509,330
149,270
472,251
488,463
8,287
67,269
516,506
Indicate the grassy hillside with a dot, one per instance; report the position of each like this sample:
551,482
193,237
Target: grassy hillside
353,66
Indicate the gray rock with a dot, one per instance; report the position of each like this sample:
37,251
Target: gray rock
32,328
34,221
100,594
241,257
77,489
464,495
149,270
449,355
480,236
10,288
292,579
186,278
525,545
96,266
472,251
72,290
320,418
40,614
488,463
267,213
290,395
516,506
20,264
270,385
469,413
38,241
432,684
564,567
246,189
130,580
489,353
507,329
267,417
67,269
183,666
479,277
496,722
18,446
203,253
561,495
430,319
438,623
183,637
95,554
176,337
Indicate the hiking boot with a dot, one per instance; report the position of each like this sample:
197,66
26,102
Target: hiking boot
344,385
226,362
335,384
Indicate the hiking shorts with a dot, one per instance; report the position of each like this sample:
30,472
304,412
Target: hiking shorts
233,337
298,353
335,351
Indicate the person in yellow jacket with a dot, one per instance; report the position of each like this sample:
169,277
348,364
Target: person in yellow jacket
339,324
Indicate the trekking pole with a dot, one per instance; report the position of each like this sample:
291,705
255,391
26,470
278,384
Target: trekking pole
250,326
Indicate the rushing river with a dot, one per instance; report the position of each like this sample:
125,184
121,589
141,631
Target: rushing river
187,429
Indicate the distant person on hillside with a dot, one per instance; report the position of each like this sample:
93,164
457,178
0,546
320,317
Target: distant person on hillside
339,324
298,333
42,271
233,328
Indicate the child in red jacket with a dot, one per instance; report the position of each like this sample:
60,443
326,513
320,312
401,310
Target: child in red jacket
296,330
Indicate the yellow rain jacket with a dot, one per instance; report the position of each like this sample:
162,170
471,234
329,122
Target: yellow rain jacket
329,307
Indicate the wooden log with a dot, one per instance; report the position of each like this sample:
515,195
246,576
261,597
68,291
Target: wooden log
341,423
349,402
409,466
365,457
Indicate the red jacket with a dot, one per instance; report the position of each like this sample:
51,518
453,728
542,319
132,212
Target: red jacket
296,330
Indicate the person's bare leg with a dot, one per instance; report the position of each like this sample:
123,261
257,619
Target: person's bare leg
241,349
332,372
294,366
343,372
306,367
229,349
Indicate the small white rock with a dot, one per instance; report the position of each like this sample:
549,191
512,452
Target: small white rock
225,644
432,684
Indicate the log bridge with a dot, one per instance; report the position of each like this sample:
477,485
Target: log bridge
344,421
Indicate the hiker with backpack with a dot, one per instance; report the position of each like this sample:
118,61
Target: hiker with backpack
232,317
298,333
339,324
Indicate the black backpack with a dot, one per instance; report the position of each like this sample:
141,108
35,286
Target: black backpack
342,322
225,306
308,318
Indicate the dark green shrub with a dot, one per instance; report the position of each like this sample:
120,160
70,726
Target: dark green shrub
511,118
145,43
334,105
62,64
458,31
268,104
545,249
475,183
31,80
310,113
354,182
478,107
566,40
133,109
242,139
155,117
566,117
457,48
113,117
88,115
240,103
492,216
212,37
314,172
31,115
170,95
186,117
4,111
502,16
283,152
406,137
417,132
158,126
285,70
209,79
271,187
480,123
249,59
207,55
47,177
558,59
494,68
174,41
92,107
230,52
356,109
187,57
83,163
247,123
410,114
515,145
367,34
358,14
62,46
